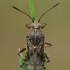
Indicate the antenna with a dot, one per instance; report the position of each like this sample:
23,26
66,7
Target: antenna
47,11
24,13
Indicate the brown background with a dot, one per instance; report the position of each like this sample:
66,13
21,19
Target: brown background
13,32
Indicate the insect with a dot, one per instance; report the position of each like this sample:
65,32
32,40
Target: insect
35,55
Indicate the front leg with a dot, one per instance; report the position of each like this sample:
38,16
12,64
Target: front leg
48,43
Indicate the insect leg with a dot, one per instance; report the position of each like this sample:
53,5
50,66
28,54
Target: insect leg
47,56
21,50
48,43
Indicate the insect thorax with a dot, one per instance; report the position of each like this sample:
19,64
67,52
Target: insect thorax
35,39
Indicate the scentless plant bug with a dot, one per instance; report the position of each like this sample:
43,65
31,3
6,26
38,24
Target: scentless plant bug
35,56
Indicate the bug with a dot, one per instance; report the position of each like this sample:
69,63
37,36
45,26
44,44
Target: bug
35,56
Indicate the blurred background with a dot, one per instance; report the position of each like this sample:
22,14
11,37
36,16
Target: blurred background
13,32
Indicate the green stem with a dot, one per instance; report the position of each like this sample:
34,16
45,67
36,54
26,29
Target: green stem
32,9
